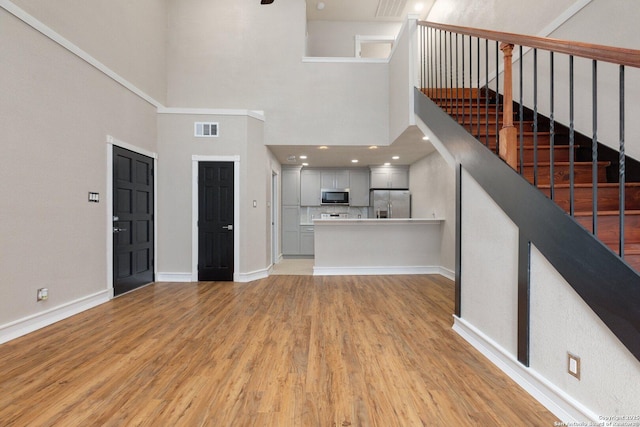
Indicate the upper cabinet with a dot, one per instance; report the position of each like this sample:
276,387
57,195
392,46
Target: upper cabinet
313,181
390,177
291,186
334,178
310,187
359,187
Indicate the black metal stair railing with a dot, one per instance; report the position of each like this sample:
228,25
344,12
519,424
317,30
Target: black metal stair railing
460,68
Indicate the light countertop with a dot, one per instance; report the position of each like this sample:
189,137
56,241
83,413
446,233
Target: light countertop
381,221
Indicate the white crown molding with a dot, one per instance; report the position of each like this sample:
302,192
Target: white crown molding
549,395
48,317
343,60
83,55
256,114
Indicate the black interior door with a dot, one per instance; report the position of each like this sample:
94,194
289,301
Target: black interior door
133,231
215,221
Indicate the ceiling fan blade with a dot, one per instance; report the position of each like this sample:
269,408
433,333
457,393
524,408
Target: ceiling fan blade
266,1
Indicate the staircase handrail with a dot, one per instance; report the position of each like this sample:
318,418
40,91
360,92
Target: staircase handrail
616,55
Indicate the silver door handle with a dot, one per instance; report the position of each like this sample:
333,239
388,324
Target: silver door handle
228,227
118,229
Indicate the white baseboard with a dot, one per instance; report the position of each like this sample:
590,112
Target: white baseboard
251,276
173,277
37,321
368,271
549,395
449,274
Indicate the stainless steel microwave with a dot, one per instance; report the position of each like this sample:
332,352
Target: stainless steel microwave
335,197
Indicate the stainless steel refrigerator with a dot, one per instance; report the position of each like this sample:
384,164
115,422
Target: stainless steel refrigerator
390,204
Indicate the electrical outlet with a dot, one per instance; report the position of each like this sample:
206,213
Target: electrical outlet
573,365
43,294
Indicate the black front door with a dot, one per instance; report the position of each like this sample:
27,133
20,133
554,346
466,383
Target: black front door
215,221
133,232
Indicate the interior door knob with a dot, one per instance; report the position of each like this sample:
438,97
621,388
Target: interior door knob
228,227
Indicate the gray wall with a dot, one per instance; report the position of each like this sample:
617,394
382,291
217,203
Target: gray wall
432,183
241,136
55,114
337,38
253,60
128,36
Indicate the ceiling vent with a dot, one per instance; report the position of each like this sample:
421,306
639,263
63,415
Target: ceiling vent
205,129
291,159
390,8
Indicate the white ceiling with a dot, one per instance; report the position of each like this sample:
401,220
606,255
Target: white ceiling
409,146
365,10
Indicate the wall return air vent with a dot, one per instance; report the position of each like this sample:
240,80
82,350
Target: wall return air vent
205,129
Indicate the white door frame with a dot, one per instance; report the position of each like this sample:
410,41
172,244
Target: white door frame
111,141
195,160
274,218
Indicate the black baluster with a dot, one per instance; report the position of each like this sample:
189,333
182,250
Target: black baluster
486,92
478,88
594,147
571,137
497,98
535,117
470,86
552,128
621,168
520,114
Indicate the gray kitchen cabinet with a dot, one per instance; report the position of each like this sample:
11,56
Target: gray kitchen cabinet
359,187
306,240
390,177
334,178
291,186
310,187
290,230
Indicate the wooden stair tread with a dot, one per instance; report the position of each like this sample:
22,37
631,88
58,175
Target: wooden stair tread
630,212
589,185
546,164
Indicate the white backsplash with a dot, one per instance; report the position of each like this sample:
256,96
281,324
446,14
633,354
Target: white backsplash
309,213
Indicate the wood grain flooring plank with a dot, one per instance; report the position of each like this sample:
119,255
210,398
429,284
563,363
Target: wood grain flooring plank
283,351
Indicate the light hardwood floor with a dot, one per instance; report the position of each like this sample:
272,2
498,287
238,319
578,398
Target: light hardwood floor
283,351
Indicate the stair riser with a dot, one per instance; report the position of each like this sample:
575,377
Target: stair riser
608,198
609,228
632,260
582,174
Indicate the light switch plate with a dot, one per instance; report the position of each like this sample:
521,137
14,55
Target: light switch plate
573,365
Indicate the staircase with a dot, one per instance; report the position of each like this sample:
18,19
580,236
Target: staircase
475,110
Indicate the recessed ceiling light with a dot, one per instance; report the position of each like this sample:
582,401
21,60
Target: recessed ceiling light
395,157
425,138
322,147
303,157
354,161
305,164
373,147
387,164
320,5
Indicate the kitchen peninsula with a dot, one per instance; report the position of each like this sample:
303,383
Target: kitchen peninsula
377,246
